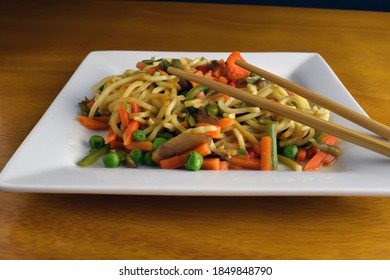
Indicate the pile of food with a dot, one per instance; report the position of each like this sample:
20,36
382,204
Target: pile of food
156,119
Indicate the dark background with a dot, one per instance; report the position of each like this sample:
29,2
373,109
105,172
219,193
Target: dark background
369,5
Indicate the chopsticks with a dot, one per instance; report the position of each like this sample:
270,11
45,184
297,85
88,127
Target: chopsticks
344,133
318,99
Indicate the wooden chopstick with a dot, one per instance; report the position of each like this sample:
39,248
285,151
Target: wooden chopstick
327,103
344,133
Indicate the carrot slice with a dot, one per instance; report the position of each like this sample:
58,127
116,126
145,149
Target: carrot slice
111,137
117,145
329,139
151,70
301,155
315,162
236,72
328,159
218,96
135,108
254,164
145,146
223,165
124,115
214,133
92,124
211,164
223,80
128,134
266,153
90,103
199,73
225,123
141,65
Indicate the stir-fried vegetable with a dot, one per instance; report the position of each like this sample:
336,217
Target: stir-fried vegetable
138,132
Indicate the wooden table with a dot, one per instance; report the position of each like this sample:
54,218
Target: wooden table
42,45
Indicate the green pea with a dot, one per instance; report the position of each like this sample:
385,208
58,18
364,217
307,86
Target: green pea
111,160
149,160
157,142
139,135
290,151
212,110
96,142
194,161
137,156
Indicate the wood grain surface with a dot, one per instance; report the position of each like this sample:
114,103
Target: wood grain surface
41,45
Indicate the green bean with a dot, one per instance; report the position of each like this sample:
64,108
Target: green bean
92,157
330,149
271,132
148,61
194,92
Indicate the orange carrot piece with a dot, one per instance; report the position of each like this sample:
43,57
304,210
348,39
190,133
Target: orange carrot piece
128,134
135,108
236,72
184,123
211,164
111,137
103,118
301,155
220,71
213,133
218,96
117,145
178,161
223,80
141,65
90,103
315,162
163,72
209,75
329,139
328,159
254,164
151,70
257,148
92,124
225,123
223,165
124,115
145,146
199,73
266,153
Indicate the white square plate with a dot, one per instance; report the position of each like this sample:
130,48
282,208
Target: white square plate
46,160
